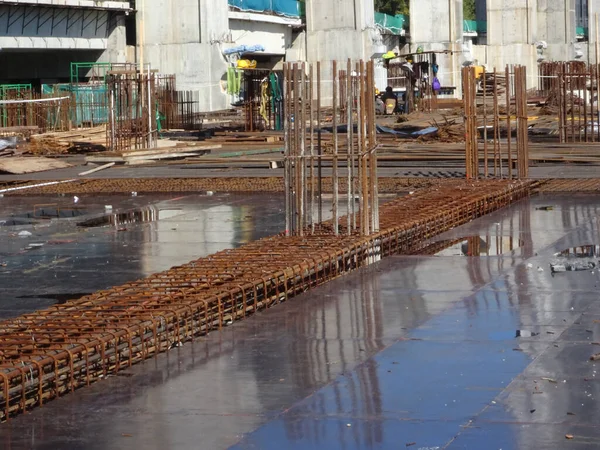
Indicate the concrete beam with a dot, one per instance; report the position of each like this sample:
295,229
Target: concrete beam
88,4
266,18
50,43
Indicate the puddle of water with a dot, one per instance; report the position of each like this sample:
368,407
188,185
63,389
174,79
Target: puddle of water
478,246
43,212
140,215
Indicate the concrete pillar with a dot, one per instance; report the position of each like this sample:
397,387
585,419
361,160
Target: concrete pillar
184,38
593,31
116,51
339,29
510,21
556,26
214,20
437,25
512,31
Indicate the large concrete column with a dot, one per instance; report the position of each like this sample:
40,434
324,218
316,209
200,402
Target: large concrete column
185,38
338,30
557,28
512,32
593,31
437,25
116,51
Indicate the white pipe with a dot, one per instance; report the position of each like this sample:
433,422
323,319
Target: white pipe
20,188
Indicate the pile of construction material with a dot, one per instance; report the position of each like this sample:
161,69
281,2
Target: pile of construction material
82,140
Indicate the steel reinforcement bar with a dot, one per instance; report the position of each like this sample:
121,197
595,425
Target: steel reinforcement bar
225,184
50,352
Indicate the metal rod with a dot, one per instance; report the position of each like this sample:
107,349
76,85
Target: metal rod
311,103
508,125
349,145
319,147
286,140
485,140
335,149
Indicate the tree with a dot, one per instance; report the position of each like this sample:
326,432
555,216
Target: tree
469,10
393,7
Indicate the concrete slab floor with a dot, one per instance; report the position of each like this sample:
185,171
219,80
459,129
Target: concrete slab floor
412,352
61,260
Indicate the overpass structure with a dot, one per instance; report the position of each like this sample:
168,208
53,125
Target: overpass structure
39,38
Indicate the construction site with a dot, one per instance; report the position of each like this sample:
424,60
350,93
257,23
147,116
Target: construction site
267,224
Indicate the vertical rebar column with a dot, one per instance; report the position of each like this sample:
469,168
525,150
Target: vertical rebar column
301,123
296,118
373,143
497,148
572,104
365,151
359,150
525,125
522,137
311,103
334,175
585,102
286,146
485,140
471,151
508,125
349,145
319,148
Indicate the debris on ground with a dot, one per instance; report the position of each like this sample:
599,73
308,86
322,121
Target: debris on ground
449,131
595,357
569,436
525,333
550,380
8,142
572,266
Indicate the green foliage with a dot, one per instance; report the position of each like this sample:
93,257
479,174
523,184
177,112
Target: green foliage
469,10
392,7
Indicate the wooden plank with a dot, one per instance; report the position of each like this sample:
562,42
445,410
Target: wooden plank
19,165
97,169
166,151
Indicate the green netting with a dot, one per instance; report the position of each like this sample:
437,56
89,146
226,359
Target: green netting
582,31
293,8
88,102
391,24
475,26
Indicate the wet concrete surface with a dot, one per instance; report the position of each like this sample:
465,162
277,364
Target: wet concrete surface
62,259
419,352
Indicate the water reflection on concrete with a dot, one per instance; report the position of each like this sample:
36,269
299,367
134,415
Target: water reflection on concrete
413,351
74,259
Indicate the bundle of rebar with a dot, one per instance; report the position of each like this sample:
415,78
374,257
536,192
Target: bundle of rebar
51,352
303,147
515,83
132,110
